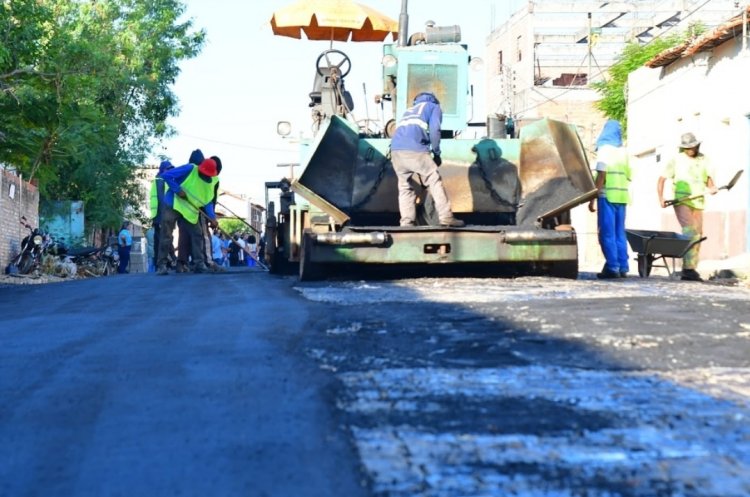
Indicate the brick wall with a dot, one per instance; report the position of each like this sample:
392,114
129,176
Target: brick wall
17,198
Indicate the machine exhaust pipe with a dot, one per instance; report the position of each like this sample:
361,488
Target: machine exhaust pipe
403,24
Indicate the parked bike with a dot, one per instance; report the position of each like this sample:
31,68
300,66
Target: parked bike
94,261
86,261
29,258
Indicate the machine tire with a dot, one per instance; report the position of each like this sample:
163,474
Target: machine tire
564,269
279,264
308,270
645,263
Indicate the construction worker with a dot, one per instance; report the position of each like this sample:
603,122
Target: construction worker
612,182
190,188
156,198
691,175
415,154
184,244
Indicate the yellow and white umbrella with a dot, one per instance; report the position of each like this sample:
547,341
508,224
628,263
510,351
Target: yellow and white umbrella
334,20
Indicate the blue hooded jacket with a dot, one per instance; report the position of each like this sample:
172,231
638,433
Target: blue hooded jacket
611,135
196,157
419,127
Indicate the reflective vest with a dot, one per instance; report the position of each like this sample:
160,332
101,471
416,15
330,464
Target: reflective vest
199,193
689,175
617,181
157,196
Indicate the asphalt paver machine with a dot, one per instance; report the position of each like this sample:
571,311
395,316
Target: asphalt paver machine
514,194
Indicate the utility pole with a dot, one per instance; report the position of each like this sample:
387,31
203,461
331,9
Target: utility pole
588,74
744,26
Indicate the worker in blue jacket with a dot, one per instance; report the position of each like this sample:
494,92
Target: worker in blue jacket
189,188
415,154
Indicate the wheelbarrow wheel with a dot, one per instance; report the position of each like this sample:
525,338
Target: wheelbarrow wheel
645,262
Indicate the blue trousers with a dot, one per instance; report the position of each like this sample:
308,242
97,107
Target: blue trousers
124,258
612,238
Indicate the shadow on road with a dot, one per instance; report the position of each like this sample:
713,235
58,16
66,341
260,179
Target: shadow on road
538,386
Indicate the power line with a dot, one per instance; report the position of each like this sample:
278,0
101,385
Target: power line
238,145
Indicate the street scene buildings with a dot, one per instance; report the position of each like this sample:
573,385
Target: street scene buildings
540,63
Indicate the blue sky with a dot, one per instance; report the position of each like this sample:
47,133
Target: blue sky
246,79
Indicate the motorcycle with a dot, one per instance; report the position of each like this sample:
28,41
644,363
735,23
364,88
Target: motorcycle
29,258
94,261
87,261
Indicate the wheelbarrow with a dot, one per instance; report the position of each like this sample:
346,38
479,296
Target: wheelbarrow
658,246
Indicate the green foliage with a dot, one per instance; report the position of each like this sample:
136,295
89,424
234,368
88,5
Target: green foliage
232,226
85,91
614,91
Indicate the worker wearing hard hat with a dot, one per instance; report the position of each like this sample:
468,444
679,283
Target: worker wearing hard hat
415,151
691,176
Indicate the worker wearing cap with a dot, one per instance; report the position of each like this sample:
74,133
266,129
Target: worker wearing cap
189,188
415,151
612,182
691,175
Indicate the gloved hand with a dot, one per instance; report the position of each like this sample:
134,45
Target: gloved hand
437,159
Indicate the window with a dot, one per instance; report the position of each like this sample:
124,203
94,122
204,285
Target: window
518,48
500,62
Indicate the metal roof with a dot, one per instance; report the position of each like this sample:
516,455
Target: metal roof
707,41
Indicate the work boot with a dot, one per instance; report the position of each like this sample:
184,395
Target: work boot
181,267
608,274
201,268
162,270
691,275
451,222
623,274
215,268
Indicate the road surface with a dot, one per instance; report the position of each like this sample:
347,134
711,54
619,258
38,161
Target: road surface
248,384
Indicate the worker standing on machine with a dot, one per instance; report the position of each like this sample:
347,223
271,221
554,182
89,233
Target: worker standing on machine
415,150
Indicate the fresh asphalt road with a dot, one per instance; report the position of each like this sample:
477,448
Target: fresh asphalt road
246,384
145,385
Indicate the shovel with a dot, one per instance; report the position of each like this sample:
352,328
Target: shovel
203,214
727,187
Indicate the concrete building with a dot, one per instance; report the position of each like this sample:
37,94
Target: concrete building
541,62
700,87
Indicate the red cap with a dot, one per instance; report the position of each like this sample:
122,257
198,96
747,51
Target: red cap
208,167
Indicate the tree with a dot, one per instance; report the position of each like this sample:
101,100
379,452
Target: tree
232,225
85,92
614,91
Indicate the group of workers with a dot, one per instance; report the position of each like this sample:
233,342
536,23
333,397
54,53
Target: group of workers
415,154
691,176
185,196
